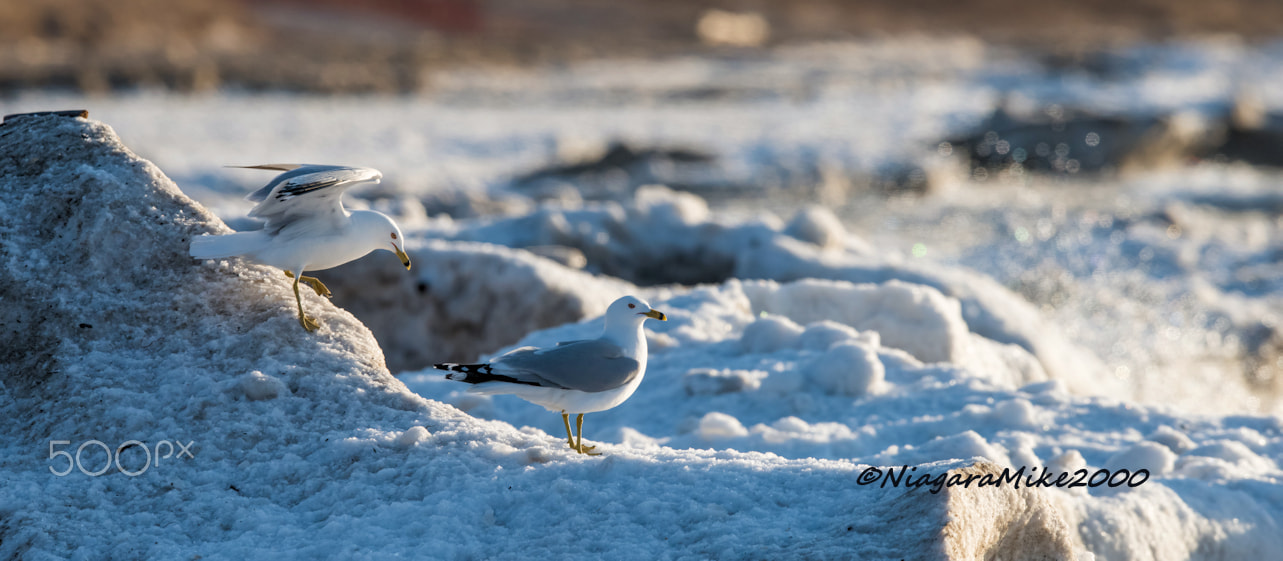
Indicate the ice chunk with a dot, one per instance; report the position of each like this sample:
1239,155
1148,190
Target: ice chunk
708,381
1018,412
664,205
413,436
851,369
914,318
1067,462
1231,452
817,225
822,335
720,426
1152,456
258,386
964,445
769,334
1175,440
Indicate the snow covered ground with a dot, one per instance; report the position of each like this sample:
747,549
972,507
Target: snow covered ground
1063,324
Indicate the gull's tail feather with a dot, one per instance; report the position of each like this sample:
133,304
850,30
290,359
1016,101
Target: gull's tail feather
476,374
214,247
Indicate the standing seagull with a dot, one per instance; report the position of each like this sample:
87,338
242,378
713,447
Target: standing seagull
307,227
574,377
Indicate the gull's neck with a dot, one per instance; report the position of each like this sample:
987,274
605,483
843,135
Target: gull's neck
363,220
629,335
370,227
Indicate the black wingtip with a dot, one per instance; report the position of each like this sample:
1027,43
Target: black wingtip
465,368
477,374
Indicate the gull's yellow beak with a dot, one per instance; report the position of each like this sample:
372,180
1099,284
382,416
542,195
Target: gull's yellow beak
656,314
405,259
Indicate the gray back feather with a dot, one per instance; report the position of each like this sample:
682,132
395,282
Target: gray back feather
593,365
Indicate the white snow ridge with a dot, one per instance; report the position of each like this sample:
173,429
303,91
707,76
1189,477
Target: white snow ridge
764,407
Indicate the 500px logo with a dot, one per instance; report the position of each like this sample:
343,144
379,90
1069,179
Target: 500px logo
172,450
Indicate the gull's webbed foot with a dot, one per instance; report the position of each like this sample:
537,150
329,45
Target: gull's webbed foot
317,286
308,323
583,449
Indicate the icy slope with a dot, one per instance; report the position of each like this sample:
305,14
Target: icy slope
303,445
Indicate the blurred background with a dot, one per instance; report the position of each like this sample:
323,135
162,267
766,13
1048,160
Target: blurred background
1114,163
335,46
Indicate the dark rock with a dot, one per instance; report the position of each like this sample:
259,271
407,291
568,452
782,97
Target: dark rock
619,171
1067,141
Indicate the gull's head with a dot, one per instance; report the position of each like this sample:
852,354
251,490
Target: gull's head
382,232
629,312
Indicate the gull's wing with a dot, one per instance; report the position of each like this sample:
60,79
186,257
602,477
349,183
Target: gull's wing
305,191
593,365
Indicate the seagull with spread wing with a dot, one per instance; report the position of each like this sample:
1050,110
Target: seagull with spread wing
573,377
307,228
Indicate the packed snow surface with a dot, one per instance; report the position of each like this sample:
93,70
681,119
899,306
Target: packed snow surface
1125,324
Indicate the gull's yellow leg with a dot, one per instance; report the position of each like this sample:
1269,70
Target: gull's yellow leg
570,437
579,446
308,323
316,284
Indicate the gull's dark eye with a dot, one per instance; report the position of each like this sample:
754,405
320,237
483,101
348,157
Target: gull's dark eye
394,235
631,306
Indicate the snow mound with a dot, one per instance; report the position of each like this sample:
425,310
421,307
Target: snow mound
1000,317
1156,458
913,318
463,299
819,226
95,262
851,369
720,426
257,386
770,334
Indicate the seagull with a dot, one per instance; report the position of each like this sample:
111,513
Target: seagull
307,228
573,377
